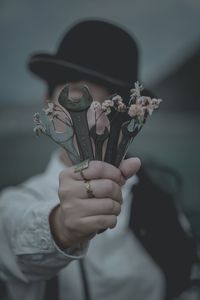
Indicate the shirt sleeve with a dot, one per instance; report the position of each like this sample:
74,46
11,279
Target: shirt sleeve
29,251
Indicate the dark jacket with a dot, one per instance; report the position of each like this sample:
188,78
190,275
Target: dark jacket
155,223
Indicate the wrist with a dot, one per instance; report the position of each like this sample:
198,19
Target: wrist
56,227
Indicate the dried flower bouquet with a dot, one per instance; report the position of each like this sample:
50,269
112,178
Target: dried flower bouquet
88,129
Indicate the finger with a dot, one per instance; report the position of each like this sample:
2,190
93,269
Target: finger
98,170
95,223
130,166
92,207
98,188
101,188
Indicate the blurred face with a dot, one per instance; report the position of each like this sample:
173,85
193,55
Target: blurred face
98,92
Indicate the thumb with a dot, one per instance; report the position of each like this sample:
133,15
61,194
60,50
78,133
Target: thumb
130,166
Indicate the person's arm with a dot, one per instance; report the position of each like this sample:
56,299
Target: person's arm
28,251
33,248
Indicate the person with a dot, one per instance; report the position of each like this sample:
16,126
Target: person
48,224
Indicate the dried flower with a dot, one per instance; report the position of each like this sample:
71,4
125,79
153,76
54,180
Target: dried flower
137,111
136,91
119,104
156,102
95,105
36,118
50,108
106,106
50,112
143,100
116,102
153,104
121,107
39,129
117,98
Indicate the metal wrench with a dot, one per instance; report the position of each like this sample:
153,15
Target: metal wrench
78,111
129,130
99,140
115,128
64,139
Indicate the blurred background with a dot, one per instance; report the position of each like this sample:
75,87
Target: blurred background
168,34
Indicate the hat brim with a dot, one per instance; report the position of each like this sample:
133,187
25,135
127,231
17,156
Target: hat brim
54,70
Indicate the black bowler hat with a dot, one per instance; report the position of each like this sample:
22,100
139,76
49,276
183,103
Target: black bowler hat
91,50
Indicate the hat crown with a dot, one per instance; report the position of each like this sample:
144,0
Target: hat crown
91,50
102,47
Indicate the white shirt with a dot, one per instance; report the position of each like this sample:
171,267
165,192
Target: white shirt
117,265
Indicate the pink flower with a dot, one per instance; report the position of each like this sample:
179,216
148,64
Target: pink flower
106,106
143,100
136,110
121,107
153,104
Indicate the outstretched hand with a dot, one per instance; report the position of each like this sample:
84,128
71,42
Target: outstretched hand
80,216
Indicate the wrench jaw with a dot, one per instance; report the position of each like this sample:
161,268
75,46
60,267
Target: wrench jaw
99,140
76,105
63,96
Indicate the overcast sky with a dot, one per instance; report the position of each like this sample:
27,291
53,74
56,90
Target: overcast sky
167,31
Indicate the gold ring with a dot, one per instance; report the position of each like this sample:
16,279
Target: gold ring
83,176
80,167
89,189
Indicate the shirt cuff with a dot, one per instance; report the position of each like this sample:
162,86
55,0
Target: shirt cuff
77,252
33,235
